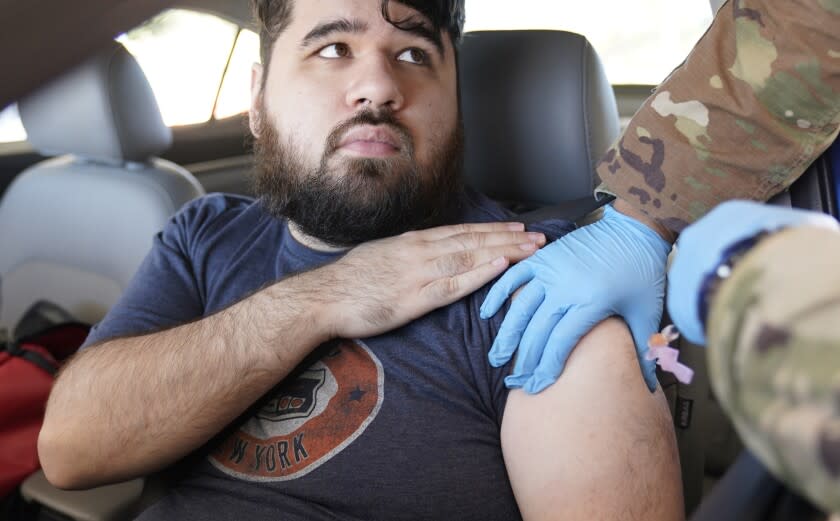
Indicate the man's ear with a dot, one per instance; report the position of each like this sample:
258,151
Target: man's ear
255,112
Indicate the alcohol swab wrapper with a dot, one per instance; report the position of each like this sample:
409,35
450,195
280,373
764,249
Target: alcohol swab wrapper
666,356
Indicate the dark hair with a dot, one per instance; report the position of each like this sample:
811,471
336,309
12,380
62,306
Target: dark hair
273,16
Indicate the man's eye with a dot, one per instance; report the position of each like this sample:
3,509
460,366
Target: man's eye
335,50
415,56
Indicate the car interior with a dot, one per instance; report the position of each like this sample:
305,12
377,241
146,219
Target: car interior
78,209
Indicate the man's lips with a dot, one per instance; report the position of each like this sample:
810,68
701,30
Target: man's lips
368,140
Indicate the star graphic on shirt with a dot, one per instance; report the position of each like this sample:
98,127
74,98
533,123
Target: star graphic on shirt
357,394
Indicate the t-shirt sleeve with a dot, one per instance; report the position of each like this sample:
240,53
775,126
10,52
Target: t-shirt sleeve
164,291
491,380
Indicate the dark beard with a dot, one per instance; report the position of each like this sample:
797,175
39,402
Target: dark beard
370,199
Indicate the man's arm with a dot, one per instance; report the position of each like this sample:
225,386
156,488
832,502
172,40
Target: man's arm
774,357
596,444
131,406
756,101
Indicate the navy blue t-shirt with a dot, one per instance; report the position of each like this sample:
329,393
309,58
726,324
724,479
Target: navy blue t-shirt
404,425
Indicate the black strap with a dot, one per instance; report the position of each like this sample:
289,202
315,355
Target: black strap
573,210
33,357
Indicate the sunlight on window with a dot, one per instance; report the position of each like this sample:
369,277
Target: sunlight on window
640,42
11,129
183,53
235,96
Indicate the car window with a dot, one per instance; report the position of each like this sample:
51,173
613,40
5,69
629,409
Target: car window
184,55
11,129
197,64
639,42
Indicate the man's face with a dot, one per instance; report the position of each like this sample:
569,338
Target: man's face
357,128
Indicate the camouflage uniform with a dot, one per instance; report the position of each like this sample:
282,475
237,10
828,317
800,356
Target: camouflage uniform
756,101
774,357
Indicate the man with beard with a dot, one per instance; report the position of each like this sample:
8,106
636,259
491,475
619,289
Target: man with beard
318,353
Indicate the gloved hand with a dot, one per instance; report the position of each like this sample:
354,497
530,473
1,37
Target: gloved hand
702,246
615,266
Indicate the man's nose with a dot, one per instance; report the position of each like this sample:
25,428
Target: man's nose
375,84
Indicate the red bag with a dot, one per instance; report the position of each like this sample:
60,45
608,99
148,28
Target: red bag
27,369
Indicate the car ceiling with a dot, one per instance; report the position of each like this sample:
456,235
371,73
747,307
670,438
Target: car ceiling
40,43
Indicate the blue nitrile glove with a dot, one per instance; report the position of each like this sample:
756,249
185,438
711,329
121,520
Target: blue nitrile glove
702,246
615,266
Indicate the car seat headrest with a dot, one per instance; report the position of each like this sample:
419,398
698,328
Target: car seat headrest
104,110
538,114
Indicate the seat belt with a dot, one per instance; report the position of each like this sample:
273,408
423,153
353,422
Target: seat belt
748,492
573,210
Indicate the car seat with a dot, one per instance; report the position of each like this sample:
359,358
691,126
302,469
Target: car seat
538,113
74,228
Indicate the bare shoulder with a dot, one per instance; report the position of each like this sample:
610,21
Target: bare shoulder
596,444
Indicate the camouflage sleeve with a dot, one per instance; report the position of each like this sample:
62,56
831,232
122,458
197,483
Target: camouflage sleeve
774,357
755,102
